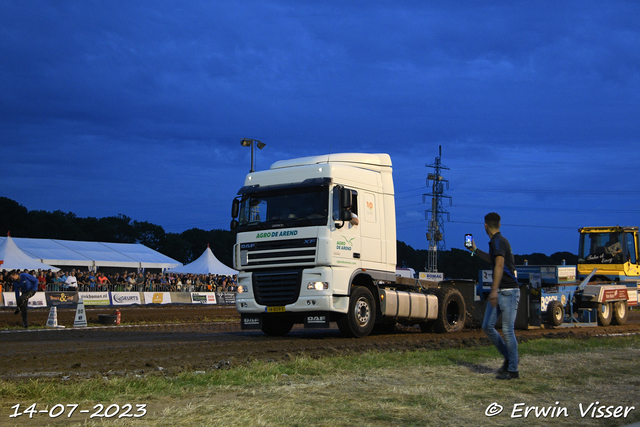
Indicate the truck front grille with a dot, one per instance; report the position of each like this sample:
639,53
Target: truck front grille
298,252
277,288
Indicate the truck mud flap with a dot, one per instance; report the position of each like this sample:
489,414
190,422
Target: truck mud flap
316,320
251,321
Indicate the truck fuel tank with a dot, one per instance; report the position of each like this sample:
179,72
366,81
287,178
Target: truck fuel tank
408,305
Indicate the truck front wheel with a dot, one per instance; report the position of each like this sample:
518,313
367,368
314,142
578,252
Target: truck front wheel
620,312
359,320
605,313
276,326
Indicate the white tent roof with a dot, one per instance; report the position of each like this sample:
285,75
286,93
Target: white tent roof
206,264
11,257
93,254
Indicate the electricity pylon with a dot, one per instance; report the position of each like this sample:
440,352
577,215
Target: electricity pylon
436,215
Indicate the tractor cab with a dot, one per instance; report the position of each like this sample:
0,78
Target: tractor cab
612,250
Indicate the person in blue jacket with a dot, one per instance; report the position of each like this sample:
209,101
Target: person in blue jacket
25,286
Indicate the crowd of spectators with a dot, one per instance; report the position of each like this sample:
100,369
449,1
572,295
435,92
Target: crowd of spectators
76,280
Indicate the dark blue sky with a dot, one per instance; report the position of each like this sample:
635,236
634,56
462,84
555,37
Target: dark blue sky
138,107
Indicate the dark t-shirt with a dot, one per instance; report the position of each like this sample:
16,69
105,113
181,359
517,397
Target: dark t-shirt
500,246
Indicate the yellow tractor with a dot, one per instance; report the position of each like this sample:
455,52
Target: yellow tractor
613,253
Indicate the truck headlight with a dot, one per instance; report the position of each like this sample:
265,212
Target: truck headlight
317,286
243,289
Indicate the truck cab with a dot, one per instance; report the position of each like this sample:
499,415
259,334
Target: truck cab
298,252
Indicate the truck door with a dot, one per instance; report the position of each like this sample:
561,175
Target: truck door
347,242
370,228
632,254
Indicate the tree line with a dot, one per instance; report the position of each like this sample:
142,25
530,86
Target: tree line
185,247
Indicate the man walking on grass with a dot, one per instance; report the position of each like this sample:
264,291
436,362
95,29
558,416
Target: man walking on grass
503,298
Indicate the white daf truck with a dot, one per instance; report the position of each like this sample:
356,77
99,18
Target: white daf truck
303,257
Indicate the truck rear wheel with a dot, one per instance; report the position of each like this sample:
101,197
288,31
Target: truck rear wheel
605,313
620,312
276,326
555,313
451,310
359,320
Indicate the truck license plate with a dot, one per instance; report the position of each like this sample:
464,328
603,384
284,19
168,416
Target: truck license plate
275,309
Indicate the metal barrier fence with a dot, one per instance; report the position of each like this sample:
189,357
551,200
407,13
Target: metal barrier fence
55,287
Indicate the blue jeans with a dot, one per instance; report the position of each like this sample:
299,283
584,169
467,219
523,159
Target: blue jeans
508,300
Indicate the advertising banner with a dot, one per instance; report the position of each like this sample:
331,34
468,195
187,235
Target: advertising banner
432,276
94,298
62,298
125,298
226,298
203,297
38,300
157,298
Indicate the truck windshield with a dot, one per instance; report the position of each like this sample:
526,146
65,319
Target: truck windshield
602,248
288,207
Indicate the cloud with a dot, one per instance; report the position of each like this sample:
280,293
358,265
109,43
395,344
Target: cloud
141,105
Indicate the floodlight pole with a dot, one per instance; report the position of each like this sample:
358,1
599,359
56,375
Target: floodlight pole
246,142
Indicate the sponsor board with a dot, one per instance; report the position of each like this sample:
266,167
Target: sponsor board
94,298
38,300
62,298
432,276
203,297
614,294
157,298
125,298
486,276
226,298
566,274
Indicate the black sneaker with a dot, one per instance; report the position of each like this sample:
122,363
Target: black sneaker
17,311
504,368
508,375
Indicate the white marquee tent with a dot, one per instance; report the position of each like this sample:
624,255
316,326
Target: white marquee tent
206,264
92,255
11,258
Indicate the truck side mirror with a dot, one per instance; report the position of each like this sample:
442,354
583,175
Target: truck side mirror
235,208
345,198
234,224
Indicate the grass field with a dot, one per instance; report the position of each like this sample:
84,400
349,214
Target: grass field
564,382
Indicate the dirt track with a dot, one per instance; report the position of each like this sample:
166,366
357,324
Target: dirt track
170,339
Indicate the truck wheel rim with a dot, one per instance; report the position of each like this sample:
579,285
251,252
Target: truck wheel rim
362,311
453,313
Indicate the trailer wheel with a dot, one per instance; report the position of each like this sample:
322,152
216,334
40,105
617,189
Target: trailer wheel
605,313
359,320
451,310
555,313
276,326
620,312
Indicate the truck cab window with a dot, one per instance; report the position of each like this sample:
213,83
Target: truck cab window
284,207
335,211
